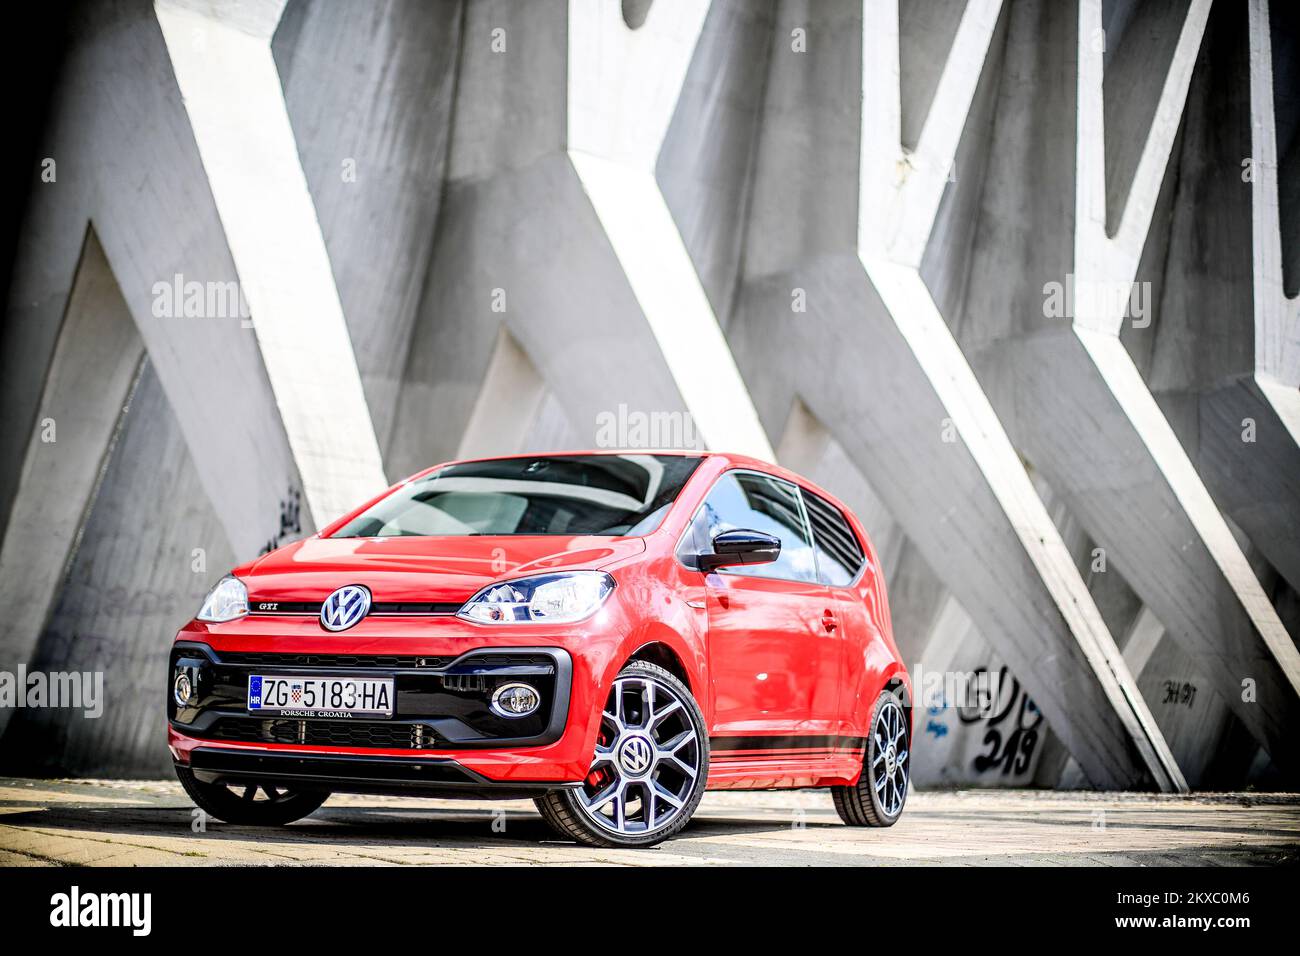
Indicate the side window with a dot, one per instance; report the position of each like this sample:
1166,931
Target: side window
759,503
839,553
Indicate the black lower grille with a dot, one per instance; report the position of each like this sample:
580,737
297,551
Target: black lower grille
324,733
332,660
361,774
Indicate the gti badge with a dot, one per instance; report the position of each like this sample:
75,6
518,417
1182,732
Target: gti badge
345,607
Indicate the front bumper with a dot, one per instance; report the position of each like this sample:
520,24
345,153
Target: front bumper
436,664
356,773
440,702
442,737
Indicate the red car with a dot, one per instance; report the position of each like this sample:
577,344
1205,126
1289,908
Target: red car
609,634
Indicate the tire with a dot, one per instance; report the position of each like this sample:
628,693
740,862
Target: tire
649,771
877,799
257,805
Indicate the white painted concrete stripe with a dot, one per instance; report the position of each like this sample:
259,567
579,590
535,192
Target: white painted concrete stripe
1277,318
1099,258
1125,383
623,88
232,93
929,167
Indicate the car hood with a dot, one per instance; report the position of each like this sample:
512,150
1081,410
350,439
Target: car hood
440,569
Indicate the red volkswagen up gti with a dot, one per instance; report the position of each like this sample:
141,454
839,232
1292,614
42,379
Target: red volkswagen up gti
609,634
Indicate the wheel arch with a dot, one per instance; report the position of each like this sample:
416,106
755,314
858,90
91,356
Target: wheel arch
663,655
898,683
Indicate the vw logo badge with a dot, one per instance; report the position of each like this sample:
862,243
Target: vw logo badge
635,756
345,607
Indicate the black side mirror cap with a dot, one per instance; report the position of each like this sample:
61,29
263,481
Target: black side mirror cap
741,546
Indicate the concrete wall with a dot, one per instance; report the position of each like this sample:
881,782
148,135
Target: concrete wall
823,231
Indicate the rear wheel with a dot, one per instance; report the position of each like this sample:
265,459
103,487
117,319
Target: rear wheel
650,767
252,804
877,799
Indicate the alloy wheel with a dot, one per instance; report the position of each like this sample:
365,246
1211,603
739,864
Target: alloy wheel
890,758
647,759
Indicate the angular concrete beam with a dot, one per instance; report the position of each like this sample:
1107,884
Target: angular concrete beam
1067,391
507,405
1277,318
525,243
1100,258
133,574
1100,262
900,191
895,222
148,201
1143,636
1215,353
369,89
909,302
851,364
95,364
623,86
227,75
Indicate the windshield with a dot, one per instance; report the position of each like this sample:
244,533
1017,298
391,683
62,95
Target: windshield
558,494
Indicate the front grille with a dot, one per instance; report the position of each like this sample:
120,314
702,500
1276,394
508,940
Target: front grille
416,607
332,660
422,608
324,733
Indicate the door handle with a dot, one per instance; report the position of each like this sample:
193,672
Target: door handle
828,621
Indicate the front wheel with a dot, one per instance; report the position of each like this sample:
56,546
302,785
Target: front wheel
650,767
253,804
877,799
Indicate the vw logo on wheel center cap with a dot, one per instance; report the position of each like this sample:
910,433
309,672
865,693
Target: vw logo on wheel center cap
891,759
345,607
635,755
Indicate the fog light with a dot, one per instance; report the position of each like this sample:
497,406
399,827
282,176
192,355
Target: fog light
515,700
183,689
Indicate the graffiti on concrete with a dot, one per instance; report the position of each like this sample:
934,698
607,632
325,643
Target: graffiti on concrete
1179,693
290,524
1012,722
933,726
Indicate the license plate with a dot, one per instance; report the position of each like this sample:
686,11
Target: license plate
320,696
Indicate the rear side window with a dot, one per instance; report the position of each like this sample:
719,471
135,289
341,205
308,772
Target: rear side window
839,553
758,503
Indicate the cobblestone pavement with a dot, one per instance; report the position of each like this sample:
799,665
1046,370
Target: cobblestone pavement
145,823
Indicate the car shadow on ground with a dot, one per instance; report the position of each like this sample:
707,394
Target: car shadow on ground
478,826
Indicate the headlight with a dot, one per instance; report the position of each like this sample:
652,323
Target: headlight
554,598
227,601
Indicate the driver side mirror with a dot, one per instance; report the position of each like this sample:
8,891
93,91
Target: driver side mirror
741,546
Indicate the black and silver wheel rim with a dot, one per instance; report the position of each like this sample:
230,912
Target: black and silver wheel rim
647,761
889,758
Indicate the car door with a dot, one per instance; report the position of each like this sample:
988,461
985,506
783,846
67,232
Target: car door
774,654
841,560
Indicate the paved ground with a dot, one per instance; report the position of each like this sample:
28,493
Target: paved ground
132,823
